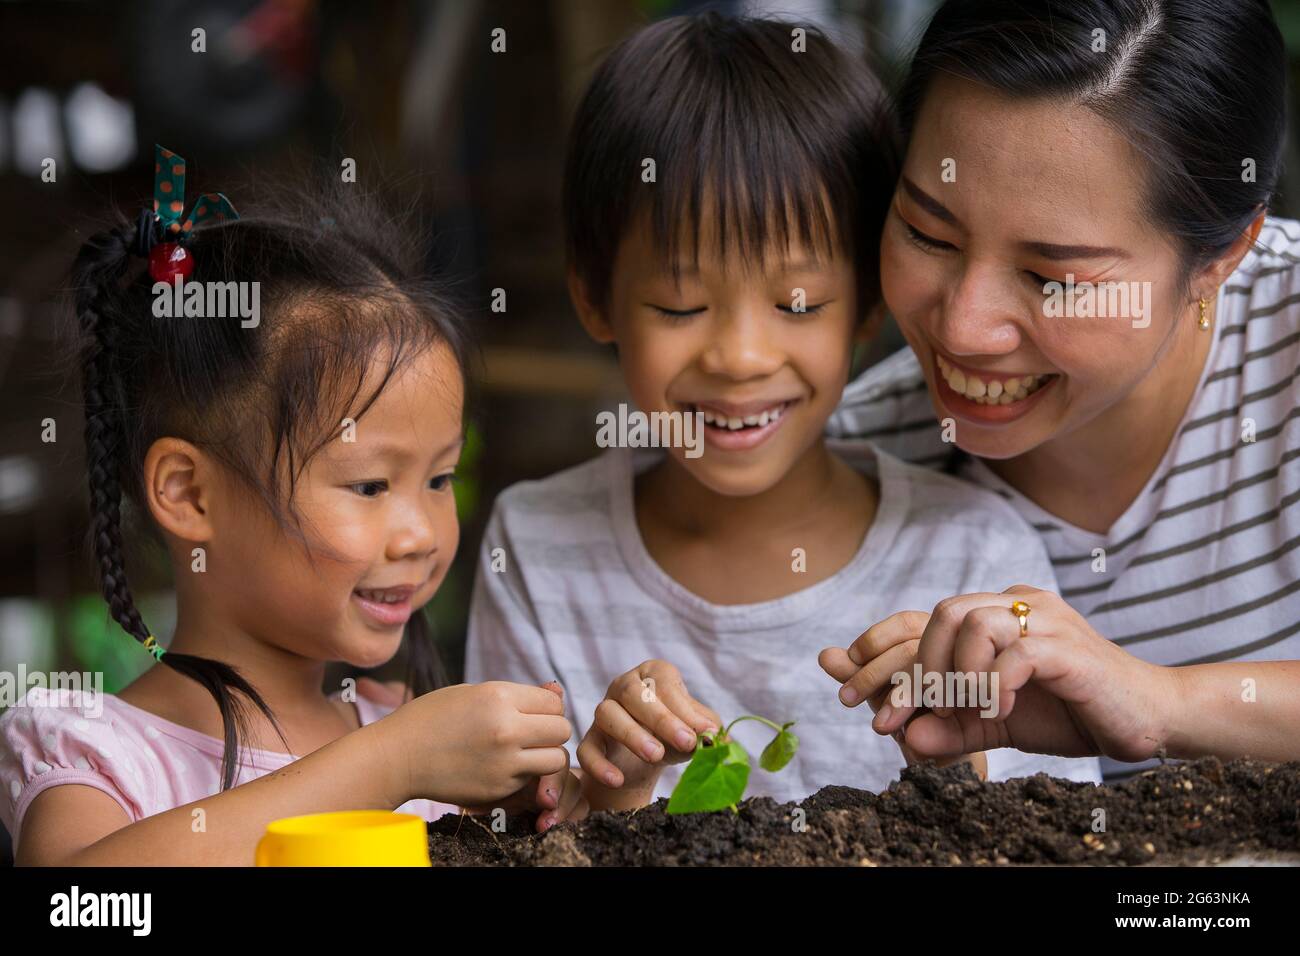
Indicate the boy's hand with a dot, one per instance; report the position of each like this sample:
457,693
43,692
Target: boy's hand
646,720
866,667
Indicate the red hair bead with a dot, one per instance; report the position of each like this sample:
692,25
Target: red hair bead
167,260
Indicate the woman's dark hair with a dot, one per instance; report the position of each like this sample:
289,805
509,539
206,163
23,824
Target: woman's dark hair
785,140
1198,86
337,292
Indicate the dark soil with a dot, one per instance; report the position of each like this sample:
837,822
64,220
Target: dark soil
1180,813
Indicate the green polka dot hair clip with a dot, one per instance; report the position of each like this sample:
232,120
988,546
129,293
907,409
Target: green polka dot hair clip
161,233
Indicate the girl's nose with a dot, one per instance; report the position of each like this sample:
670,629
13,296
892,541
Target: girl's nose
741,346
414,534
981,316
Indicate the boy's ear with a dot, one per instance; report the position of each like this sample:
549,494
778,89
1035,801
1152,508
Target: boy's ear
178,487
593,318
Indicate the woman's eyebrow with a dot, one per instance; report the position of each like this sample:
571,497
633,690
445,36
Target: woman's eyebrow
1046,250
929,203
1053,251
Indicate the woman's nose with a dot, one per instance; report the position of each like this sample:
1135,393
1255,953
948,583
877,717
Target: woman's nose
981,316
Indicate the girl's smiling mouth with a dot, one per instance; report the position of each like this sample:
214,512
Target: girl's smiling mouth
988,397
387,607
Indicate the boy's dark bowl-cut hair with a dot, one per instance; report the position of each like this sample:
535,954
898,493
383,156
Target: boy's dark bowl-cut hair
783,145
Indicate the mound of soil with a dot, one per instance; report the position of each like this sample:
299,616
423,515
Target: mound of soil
1200,812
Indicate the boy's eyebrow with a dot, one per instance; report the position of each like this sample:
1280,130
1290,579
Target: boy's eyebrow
806,264
1046,250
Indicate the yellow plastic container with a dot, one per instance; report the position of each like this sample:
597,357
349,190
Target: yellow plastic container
346,838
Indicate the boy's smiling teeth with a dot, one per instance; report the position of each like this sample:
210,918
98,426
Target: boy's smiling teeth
1001,390
735,423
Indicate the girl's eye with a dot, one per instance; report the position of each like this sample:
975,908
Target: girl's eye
676,315
369,489
442,482
924,241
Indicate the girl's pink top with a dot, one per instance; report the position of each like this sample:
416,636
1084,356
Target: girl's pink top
145,763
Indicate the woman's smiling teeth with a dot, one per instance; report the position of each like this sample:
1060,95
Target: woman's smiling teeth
990,390
719,419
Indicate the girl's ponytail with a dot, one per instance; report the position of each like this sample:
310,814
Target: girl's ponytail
97,273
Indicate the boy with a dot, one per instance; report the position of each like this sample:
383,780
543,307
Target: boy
725,189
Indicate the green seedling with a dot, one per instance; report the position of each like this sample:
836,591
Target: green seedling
715,778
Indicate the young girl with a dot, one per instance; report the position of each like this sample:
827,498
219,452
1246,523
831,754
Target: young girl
296,460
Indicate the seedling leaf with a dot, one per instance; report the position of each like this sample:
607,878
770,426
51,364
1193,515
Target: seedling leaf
780,751
714,779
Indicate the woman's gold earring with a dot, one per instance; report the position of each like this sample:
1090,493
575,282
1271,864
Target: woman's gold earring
1204,323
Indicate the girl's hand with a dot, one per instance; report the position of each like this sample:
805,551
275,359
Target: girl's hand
556,797
646,720
474,744
1062,689
867,666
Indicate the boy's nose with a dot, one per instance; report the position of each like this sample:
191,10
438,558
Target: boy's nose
741,347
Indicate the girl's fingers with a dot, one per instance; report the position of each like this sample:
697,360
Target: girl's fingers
550,788
877,674
543,731
537,700
540,762
618,725
592,758
573,805
875,640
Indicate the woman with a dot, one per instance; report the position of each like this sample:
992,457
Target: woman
1108,328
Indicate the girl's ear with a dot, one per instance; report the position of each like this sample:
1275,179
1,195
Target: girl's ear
178,488
593,319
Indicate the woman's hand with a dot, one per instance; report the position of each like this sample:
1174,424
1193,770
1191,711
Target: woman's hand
1061,689
866,667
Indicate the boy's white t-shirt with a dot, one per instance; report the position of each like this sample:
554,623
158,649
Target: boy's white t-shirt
577,598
